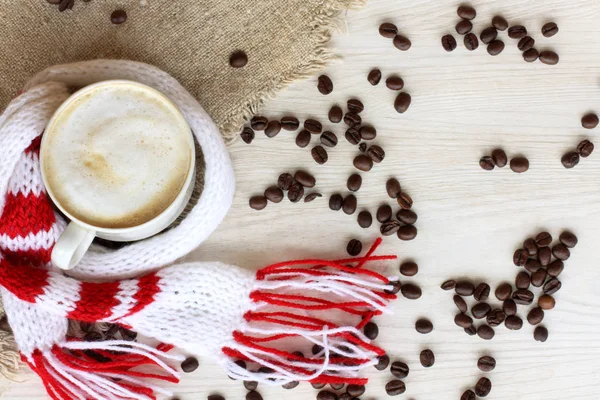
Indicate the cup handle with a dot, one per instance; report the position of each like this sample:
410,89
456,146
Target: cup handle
71,246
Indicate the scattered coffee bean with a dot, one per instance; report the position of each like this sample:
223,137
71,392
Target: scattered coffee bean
465,288
408,217
374,76
532,265
531,55
352,136
319,154
561,252
352,119
318,385
305,179
570,159
335,114
404,201
471,330
354,247
482,292
389,228
555,268
120,16
313,126
409,268
382,362
399,369
463,27
362,147
486,332
468,395
486,163
471,42
423,326
290,123
190,364
513,322
495,317
526,43
349,204
483,387
449,285
329,139
395,387
258,202
427,358
402,42
365,219
549,57
517,32
448,43
488,35
463,320
296,192
585,148
411,291
544,256
540,334
312,197
367,132
589,121
273,128
530,246
523,297
539,277
552,286
290,385
371,330
486,363
355,106
238,59
509,307
568,239
535,316
499,23
285,181
546,302
394,83
523,280
543,239
363,162
213,397
466,12
520,257
303,138
384,213
495,47
407,232
503,291
549,29
354,182
259,123
274,194
460,303
247,135
355,390
376,153
393,188
388,30
326,395
402,102
480,310
324,84
395,287
519,164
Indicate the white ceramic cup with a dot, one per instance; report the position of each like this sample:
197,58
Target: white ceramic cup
78,236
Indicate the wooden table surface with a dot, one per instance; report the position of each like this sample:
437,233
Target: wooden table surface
470,221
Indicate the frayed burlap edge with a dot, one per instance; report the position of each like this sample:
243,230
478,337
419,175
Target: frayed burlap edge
10,361
326,22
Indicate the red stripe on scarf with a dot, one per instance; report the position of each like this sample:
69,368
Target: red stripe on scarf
147,289
23,281
26,214
96,301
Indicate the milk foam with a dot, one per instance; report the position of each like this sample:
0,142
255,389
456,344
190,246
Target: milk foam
117,156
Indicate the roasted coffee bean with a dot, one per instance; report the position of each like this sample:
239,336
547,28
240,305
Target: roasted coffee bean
393,188
363,162
480,310
290,123
402,102
499,23
238,59
250,385
568,239
355,390
531,247
466,12
543,239
376,153
290,385
423,326
561,252
259,123
402,42
399,369
305,179
404,201
335,114
362,147
471,42
354,182
371,330
523,280
396,285
540,334
384,213
313,126
471,331
460,303
349,204
274,194
483,387
374,76
503,291
549,57
486,163
465,288
531,55
411,291
513,322
486,363
486,332
546,302
463,27
427,358
190,364
520,257
544,256
273,128
408,217
570,159
589,121
448,285
468,395
585,148
523,297
448,43
326,395
324,84
409,268
355,105
539,277
365,219
407,232
389,228
329,139
382,362
247,135
555,268
352,119
213,397
388,30
519,164
549,29
316,349
258,202
526,43
552,286
295,193
482,292
319,154
303,138
367,132
394,83
354,247
312,197
495,47
488,35
509,307
318,385
395,388
535,316
495,317
532,265
120,16
285,181
517,32
463,320
352,136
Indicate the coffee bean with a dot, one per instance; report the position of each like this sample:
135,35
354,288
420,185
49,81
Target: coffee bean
384,213
570,159
326,395
272,129
296,192
213,397
463,320
316,349
355,390
546,302
365,219
448,285
349,204
486,163
335,114
190,364
324,84
463,27
503,291
519,164
585,148
274,194
389,228
388,30
395,388
460,303
303,138
247,135
523,280
486,332
466,12
290,123
367,132
376,153
407,232
555,268
549,57
393,188
471,331
543,239
285,181
382,362
530,246
371,330
352,136
531,55
427,358
363,163
399,369
520,257
568,239
394,83
532,265
409,268
486,363
250,385
408,217
352,119
488,35
313,126
120,16
499,23
539,277
319,154
468,395
355,106
423,326
483,387
259,123
523,297
305,179
448,43
561,252
482,292
402,42
589,121
552,286
509,307
549,29
495,47
362,147
535,316
540,334
290,385
464,288
354,247
374,76
480,310
404,201
526,43
312,197
517,32
471,42
513,322
354,182
258,202
329,139
318,385
411,291
402,102
238,59
495,317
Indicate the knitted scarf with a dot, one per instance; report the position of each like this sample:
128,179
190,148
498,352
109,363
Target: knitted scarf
207,309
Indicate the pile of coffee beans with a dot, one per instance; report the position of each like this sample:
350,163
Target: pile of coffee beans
294,185
390,31
499,159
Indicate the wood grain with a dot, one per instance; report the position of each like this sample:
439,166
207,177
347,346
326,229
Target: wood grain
470,221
